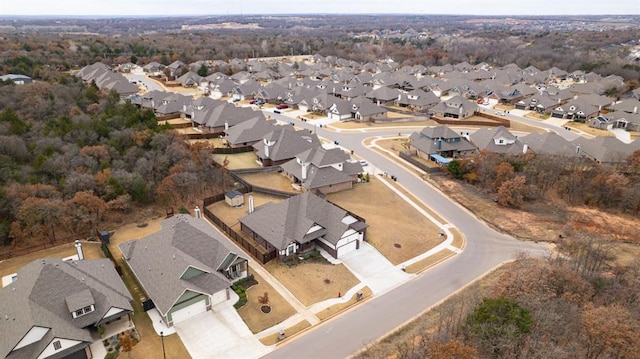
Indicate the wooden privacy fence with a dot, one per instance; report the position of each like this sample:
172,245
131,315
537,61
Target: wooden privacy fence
248,244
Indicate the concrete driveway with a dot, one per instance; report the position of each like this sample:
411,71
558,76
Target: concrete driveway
373,269
219,333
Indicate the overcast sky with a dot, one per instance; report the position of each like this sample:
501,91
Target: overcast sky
228,7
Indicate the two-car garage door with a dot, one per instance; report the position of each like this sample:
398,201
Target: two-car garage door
189,311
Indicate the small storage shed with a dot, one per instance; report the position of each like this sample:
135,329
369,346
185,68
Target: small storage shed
234,198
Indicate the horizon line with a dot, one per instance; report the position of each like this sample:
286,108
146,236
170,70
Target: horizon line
49,16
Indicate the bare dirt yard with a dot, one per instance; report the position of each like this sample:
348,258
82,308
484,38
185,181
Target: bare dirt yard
271,180
91,250
237,161
396,229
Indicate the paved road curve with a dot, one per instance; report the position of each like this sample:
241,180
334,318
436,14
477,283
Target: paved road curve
485,250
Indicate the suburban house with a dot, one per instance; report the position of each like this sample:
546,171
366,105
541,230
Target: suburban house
383,95
513,94
322,171
605,149
249,132
550,143
283,144
340,110
16,79
304,223
616,119
191,79
364,110
440,144
175,69
53,308
417,100
541,103
107,80
498,140
454,107
186,268
153,68
222,117
577,110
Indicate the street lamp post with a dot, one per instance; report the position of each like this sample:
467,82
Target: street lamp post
162,339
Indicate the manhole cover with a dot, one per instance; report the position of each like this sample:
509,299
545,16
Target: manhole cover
265,309
397,245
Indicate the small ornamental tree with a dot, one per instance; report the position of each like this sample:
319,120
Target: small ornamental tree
264,299
126,344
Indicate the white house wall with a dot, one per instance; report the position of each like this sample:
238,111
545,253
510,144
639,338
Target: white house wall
219,297
64,343
33,335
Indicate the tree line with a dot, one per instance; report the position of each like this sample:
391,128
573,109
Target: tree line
514,180
579,303
70,154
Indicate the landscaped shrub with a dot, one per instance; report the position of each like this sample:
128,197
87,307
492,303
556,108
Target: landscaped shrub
240,287
111,355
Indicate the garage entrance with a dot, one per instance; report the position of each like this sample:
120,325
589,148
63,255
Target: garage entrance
189,311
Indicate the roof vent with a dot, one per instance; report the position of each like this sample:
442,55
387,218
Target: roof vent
174,256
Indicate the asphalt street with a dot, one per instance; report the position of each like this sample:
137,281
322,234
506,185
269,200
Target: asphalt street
486,249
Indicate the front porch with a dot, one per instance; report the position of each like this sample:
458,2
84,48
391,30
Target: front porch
111,332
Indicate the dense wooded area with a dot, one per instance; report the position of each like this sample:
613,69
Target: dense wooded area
577,304
566,181
42,55
70,154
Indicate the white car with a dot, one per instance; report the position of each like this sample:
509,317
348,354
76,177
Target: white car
363,162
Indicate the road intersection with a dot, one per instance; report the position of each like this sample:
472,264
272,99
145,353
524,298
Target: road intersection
485,250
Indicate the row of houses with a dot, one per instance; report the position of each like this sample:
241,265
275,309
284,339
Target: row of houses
62,308
348,91
106,79
440,144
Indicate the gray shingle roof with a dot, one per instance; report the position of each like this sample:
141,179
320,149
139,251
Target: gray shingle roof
290,220
160,259
41,296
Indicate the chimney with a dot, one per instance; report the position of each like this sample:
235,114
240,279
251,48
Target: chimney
226,126
251,207
635,109
79,250
197,212
525,148
304,171
266,148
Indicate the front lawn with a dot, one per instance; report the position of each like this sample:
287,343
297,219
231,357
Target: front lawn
251,312
313,281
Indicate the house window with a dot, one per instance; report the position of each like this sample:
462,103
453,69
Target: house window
79,312
57,345
501,141
88,310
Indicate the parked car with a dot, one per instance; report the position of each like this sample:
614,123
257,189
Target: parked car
282,106
252,102
363,163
